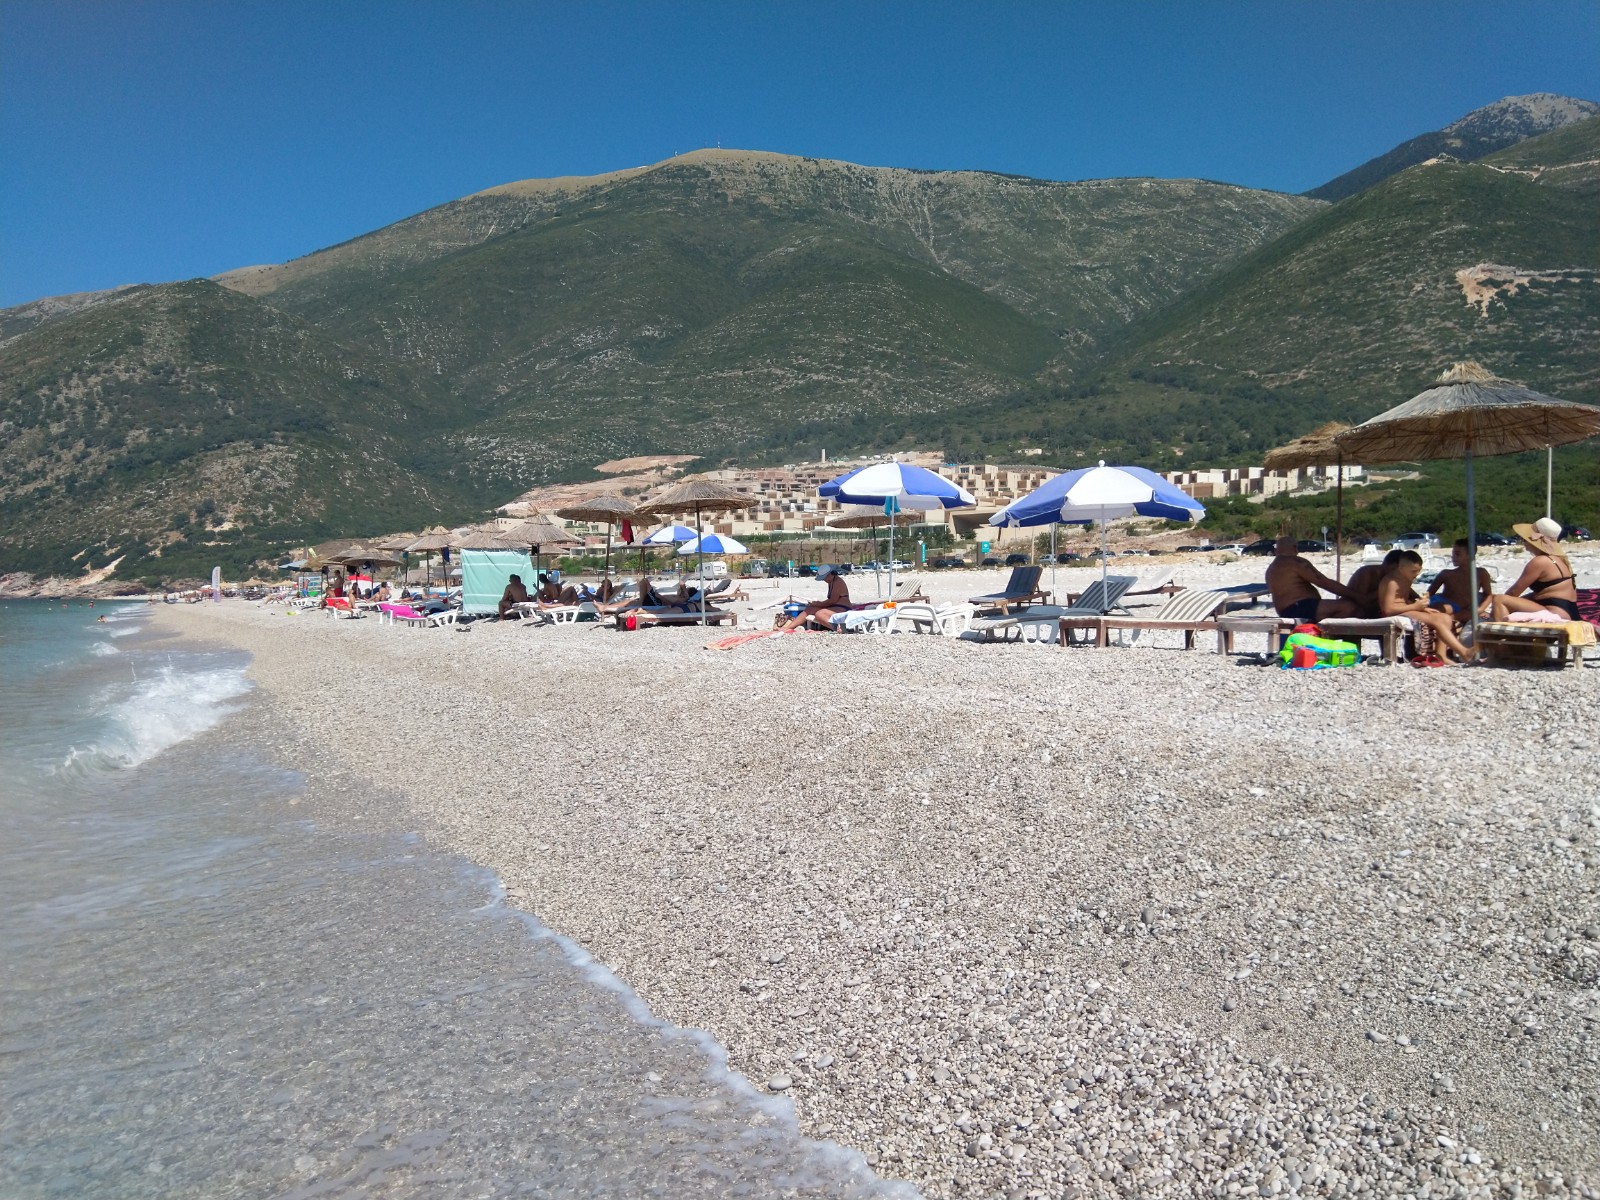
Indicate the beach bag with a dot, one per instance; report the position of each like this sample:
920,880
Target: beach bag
1308,652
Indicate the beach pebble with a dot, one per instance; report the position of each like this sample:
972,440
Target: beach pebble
779,1083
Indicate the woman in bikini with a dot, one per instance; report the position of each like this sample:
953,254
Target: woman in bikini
1397,599
1547,581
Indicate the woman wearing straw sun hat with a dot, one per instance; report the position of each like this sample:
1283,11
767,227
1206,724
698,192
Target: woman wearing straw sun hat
1547,580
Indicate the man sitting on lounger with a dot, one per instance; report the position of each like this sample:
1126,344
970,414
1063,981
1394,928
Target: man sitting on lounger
1294,583
516,593
820,613
1362,585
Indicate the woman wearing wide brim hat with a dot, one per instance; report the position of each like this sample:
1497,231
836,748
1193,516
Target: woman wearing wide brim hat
1547,583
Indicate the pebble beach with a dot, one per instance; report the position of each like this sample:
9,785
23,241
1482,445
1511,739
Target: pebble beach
1018,920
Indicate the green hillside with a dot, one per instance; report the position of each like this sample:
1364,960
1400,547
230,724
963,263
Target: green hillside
186,425
1351,312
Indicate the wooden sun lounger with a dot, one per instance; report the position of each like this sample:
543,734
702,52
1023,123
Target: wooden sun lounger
1190,612
1388,632
1535,642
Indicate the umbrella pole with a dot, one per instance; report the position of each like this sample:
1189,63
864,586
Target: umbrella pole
1052,560
607,578
1472,545
1549,477
892,516
1338,523
1102,554
877,567
700,562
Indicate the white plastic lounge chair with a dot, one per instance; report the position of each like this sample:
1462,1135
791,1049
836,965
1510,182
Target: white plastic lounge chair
922,616
877,619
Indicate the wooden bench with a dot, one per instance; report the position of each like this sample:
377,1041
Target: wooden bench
1535,643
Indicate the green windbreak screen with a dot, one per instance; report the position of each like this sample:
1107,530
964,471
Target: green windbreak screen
484,574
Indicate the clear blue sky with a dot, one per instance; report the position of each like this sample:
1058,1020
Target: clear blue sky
157,140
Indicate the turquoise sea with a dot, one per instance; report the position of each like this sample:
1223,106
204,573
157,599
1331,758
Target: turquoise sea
204,995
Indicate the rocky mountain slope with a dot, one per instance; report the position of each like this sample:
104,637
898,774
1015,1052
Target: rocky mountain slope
719,302
1481,132
1349,313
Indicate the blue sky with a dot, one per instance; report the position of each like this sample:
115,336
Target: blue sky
147,141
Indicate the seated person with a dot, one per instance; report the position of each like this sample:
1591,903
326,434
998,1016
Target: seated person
516,593
1547,584
820,613
1396,599
1363,583
549,590
606,590
1449,591
646,597
1293,582
382,595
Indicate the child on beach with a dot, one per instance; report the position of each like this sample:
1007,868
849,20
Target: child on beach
1394,591
1449,592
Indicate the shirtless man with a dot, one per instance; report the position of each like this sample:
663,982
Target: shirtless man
1456,598
1393,601
516,593
821,612
1294,583
1362,585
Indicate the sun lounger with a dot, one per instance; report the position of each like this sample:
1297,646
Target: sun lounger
921,616
1190,612
1230,625
1022,587
1043,622
673,616
1389,632
875,618
1535,642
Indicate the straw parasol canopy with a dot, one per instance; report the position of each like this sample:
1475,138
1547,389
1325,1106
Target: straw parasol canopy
538,530
696,496
1314,449
607,509
436,539
878,520
395,542
355,553
1471,411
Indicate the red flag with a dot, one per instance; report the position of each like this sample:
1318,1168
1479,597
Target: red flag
627,532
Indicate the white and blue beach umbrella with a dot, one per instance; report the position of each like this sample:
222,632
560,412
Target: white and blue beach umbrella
669,535
713,543
1100,493
896,487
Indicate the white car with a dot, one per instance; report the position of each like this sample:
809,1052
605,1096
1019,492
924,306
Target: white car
1416,541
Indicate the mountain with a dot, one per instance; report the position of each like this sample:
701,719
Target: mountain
1481,132
1349,313
720,302
184,422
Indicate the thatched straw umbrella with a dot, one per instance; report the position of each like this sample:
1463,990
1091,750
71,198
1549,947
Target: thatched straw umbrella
1318,449
430,543
535,532
1471,412
698,496
610,510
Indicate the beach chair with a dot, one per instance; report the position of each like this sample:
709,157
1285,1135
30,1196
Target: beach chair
922,616
1190,611
644,617
1040,623
874,618
1022,587
1389,632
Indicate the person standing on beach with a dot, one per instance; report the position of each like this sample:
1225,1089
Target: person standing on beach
1293,582
821,612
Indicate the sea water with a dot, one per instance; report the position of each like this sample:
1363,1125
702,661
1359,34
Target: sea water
202,995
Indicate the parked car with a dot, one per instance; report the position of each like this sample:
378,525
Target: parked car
1069,556
1018,560
1303,546
1415,541
1263,546
808,571
1194,549
991,561
1495,539
948,560
1576,534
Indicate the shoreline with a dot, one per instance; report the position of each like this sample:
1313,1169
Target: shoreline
1025,919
